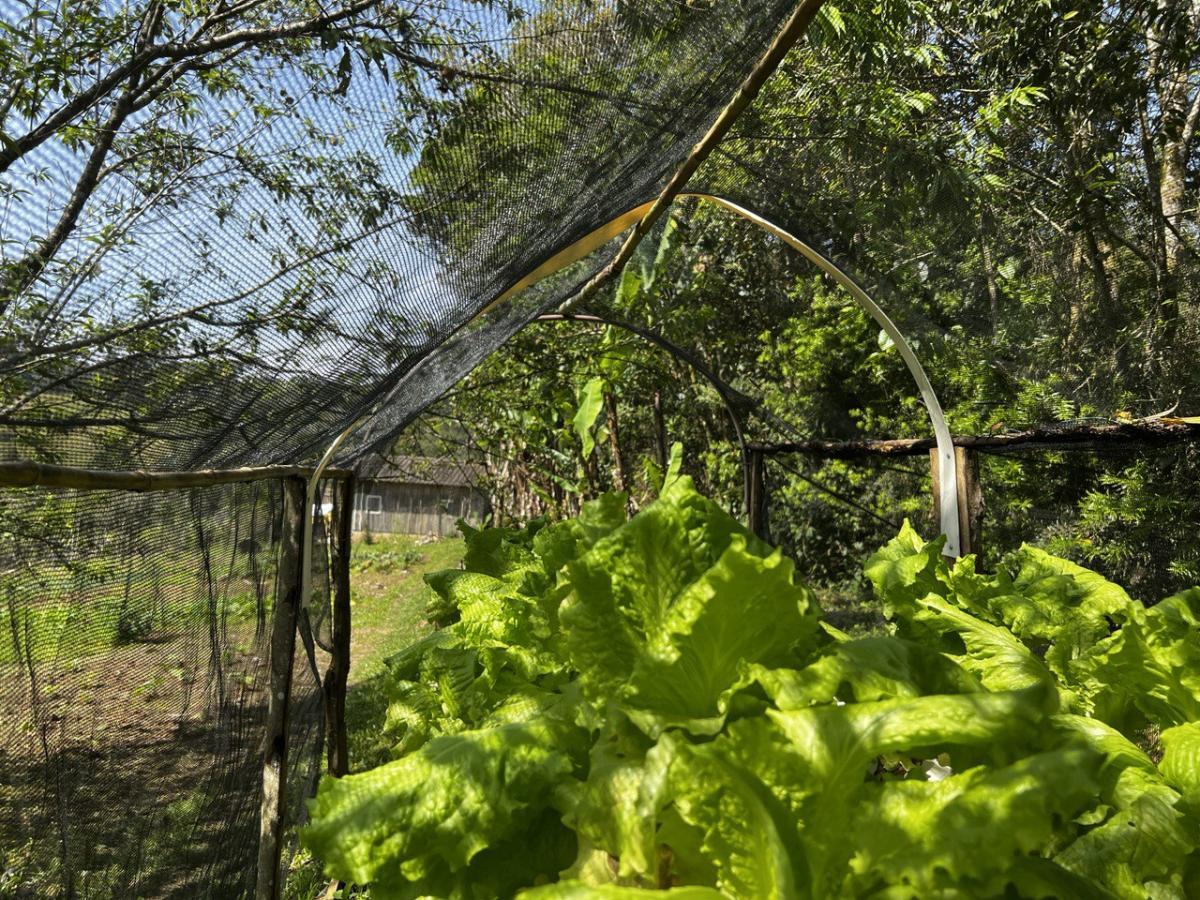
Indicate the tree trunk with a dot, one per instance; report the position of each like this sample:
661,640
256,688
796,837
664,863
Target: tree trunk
620,473
1173,192
660,432
989,271
1170,76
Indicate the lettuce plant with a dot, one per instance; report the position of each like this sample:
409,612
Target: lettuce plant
654,705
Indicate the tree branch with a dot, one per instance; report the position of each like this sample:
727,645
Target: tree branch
143,58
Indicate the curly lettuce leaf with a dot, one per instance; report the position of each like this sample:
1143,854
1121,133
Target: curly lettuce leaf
665,611
495,614
534,855
1149,671
907,568
617,807
1181,762
578,890
1139,834
558,544
1057,602
965,835
864,670
677,664
990,652
817,760
746,832
435,810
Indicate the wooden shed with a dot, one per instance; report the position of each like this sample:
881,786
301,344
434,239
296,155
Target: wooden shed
418,495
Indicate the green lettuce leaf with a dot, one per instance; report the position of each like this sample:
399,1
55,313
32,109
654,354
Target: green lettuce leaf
577,890
1181,762
907,568
746,832
1135,849
830,751
1149,671
1136,853
406,664
665,612
495,614
434,810
864,670
617,807
744,608
990,652
534,855
1059,603
967,834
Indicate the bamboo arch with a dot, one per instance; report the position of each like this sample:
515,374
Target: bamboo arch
947,498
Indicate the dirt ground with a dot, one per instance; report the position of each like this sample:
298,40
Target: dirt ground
139,767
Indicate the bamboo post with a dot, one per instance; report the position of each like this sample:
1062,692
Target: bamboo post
338,672
969,492
282,652
756,494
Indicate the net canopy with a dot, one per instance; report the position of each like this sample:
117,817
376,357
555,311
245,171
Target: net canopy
232,236
274,240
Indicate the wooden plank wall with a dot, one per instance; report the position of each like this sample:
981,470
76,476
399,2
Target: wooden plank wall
416,508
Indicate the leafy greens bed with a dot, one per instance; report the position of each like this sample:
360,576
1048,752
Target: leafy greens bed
626,706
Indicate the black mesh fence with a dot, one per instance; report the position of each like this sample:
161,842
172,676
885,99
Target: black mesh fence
133,678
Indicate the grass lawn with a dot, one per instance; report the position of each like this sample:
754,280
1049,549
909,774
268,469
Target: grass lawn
387,604
387,600
388,596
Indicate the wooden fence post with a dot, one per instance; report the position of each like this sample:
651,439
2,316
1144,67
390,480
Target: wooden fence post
756,493
970,496
282,654
339,662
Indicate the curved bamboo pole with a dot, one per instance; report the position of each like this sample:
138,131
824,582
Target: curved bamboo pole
948,480
948,514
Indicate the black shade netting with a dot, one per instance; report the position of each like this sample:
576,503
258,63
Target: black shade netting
134,679
306,237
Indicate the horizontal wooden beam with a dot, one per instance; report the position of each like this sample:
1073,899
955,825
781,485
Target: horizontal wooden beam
26,473
1077,437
